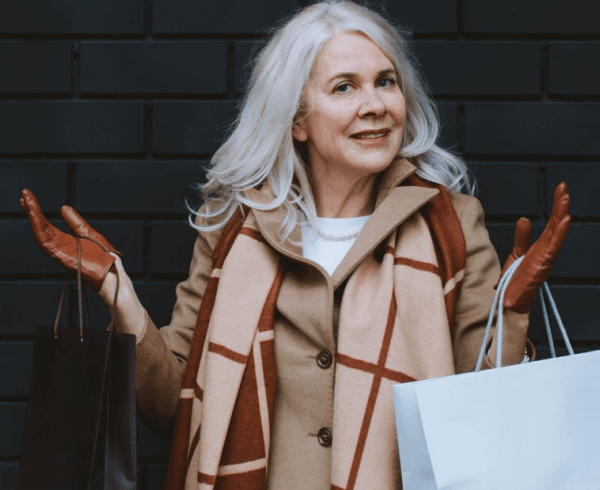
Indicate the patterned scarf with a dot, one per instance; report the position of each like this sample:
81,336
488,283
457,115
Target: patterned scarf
225,412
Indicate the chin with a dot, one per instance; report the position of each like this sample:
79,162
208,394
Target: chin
379,163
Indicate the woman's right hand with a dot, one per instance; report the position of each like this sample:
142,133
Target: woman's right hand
100,262
96,259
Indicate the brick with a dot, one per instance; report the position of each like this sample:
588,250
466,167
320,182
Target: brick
25,305
15,368
571,72
35,67
154,67
150,445
72,17
532,16
507,188
582,179
243,55
167,185
47,179
12,424
191,127
8,475
417,16
17,242
578,257
234,16
425,16
20,253
172,246
532,128
577,306
128,238
71,127
502,68
448,119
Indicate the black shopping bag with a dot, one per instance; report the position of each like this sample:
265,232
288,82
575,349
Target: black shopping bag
80,427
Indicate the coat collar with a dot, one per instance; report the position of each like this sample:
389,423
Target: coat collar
394,204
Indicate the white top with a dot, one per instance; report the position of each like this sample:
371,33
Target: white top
329,253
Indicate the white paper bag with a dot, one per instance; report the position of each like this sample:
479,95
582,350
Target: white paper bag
533,426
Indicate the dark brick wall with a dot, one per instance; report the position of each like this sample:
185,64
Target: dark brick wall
114,107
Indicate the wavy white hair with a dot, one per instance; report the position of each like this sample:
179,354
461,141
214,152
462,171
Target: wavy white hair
260,146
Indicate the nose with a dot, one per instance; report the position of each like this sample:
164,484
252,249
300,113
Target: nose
371,104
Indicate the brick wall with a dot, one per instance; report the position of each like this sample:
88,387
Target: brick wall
113,106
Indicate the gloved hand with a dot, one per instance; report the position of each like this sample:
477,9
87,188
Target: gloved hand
95,260
535,268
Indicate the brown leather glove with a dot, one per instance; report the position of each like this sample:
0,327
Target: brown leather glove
95,260
535,268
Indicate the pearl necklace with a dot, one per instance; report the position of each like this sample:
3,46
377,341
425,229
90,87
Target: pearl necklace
337,237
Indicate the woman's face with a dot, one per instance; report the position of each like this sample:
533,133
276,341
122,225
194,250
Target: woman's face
356,109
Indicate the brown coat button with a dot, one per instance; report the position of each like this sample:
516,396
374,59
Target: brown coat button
324,359
325,436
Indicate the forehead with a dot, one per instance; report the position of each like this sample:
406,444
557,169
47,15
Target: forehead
350,52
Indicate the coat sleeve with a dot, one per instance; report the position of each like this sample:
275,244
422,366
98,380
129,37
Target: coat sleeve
482,271
161,354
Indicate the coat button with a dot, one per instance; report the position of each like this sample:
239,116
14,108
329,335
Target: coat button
325,436
324,359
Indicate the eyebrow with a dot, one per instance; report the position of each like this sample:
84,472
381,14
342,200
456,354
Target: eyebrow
382,73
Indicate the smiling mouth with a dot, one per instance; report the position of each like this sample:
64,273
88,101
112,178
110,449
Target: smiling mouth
370,134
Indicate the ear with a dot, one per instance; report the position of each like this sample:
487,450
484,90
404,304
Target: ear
298,132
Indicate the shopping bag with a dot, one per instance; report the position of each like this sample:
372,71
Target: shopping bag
80,425
533,426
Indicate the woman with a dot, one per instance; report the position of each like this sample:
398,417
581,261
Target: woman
335,257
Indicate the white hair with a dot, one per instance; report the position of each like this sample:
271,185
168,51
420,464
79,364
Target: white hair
260,147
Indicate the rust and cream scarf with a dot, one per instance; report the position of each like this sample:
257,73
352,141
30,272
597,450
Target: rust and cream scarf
225,412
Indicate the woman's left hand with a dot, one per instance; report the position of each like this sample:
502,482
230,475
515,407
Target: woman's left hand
535,268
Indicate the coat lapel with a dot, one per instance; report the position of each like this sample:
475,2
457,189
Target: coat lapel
269,223
399,204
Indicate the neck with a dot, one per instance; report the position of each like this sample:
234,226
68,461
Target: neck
345,199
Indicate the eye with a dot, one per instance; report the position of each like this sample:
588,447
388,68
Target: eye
386,82
343,88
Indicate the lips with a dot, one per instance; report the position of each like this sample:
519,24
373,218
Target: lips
371,134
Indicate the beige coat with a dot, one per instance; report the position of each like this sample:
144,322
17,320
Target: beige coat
306,324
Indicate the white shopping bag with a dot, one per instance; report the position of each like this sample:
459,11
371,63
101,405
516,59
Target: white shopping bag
533,426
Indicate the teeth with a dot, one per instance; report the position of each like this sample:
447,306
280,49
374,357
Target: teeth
367,136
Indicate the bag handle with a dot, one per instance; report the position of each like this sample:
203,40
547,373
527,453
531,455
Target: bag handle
497,307
81,295
546,289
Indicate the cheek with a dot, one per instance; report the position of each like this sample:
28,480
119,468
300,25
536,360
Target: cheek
333,119
398,111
